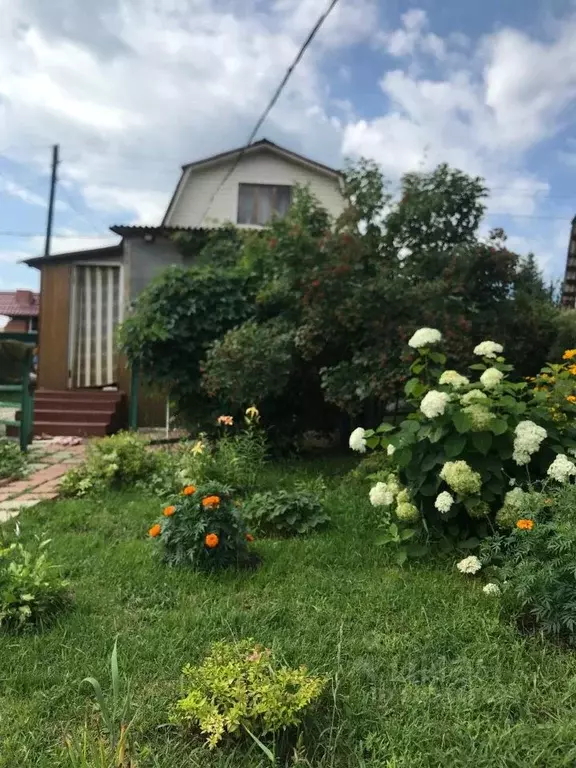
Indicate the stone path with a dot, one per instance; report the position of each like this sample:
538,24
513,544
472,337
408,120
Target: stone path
49,461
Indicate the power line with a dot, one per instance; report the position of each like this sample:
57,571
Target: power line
313,32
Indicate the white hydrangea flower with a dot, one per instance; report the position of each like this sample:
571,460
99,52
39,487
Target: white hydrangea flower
491,589
444,501
480,417
381,495
474,397
469,565
491,378
357,440
434,403
454,379
407,512
390,449
488,349
528,437
425,337
461,477
514,498
561,468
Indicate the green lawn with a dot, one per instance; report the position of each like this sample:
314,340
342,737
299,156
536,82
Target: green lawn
427,674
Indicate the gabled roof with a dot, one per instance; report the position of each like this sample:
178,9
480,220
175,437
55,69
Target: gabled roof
137,229
19,303
257,146
233,154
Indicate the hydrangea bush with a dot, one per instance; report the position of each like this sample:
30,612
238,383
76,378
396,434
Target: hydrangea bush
458,461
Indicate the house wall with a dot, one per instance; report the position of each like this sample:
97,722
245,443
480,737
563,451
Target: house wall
265,167
54,326
17,325
144,261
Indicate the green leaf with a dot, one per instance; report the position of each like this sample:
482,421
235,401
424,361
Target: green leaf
499,426
393,530
414,388
410,425
407,533
437,357
462,422
482,441
454,446
403,457
383,540
430,460
386,427
471,543
401,556
372,442
477,367
436,434
430,488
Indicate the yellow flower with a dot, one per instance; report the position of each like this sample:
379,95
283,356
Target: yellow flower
572,370
571,398
569,354
253,413
198,447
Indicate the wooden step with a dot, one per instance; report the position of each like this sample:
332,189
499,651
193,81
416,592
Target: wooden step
79,394
63,403
75,416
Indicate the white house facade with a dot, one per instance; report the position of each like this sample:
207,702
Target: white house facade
247,187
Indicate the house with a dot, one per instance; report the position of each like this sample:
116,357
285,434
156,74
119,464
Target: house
569,285
22,309
86,294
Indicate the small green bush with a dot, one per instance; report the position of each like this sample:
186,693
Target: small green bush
285,512
241,687
533,564
119,461
31,590
203,528
12,461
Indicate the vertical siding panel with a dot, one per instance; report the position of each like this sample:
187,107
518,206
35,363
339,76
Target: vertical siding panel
54,327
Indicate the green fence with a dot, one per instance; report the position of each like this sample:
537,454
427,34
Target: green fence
19,396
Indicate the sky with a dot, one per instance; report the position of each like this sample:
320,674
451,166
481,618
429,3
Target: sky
132,89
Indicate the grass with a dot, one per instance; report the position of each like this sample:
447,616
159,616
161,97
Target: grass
427,674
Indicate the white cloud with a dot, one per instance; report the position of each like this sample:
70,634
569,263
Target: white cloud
481,115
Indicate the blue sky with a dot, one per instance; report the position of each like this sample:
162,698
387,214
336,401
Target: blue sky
130,89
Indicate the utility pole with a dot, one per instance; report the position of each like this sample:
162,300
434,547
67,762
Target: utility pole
53,180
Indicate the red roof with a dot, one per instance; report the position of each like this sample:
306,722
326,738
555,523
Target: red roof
19,303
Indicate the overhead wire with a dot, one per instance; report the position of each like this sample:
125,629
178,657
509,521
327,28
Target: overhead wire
277,93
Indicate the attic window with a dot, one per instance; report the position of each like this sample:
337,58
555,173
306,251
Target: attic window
258,203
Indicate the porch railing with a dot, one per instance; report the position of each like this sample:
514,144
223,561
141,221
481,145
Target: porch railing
22,395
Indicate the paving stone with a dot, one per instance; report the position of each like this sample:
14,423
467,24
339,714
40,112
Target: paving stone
8,514
61,456
43,496
20,486
18,503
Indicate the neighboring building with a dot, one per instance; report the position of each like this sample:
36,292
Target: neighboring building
85,294
22,309
569,285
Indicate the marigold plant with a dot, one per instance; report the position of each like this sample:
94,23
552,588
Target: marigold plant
204,529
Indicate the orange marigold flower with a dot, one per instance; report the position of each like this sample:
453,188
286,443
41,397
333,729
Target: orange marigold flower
211,501
571,398
572,370
211,540
569,354
169,511
189,490
155,530
525,525
249,537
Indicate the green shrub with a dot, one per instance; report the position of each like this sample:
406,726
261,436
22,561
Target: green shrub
203,528
12,461
285,512
241,688
31,590
236,460
119,461
466,442
533,564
